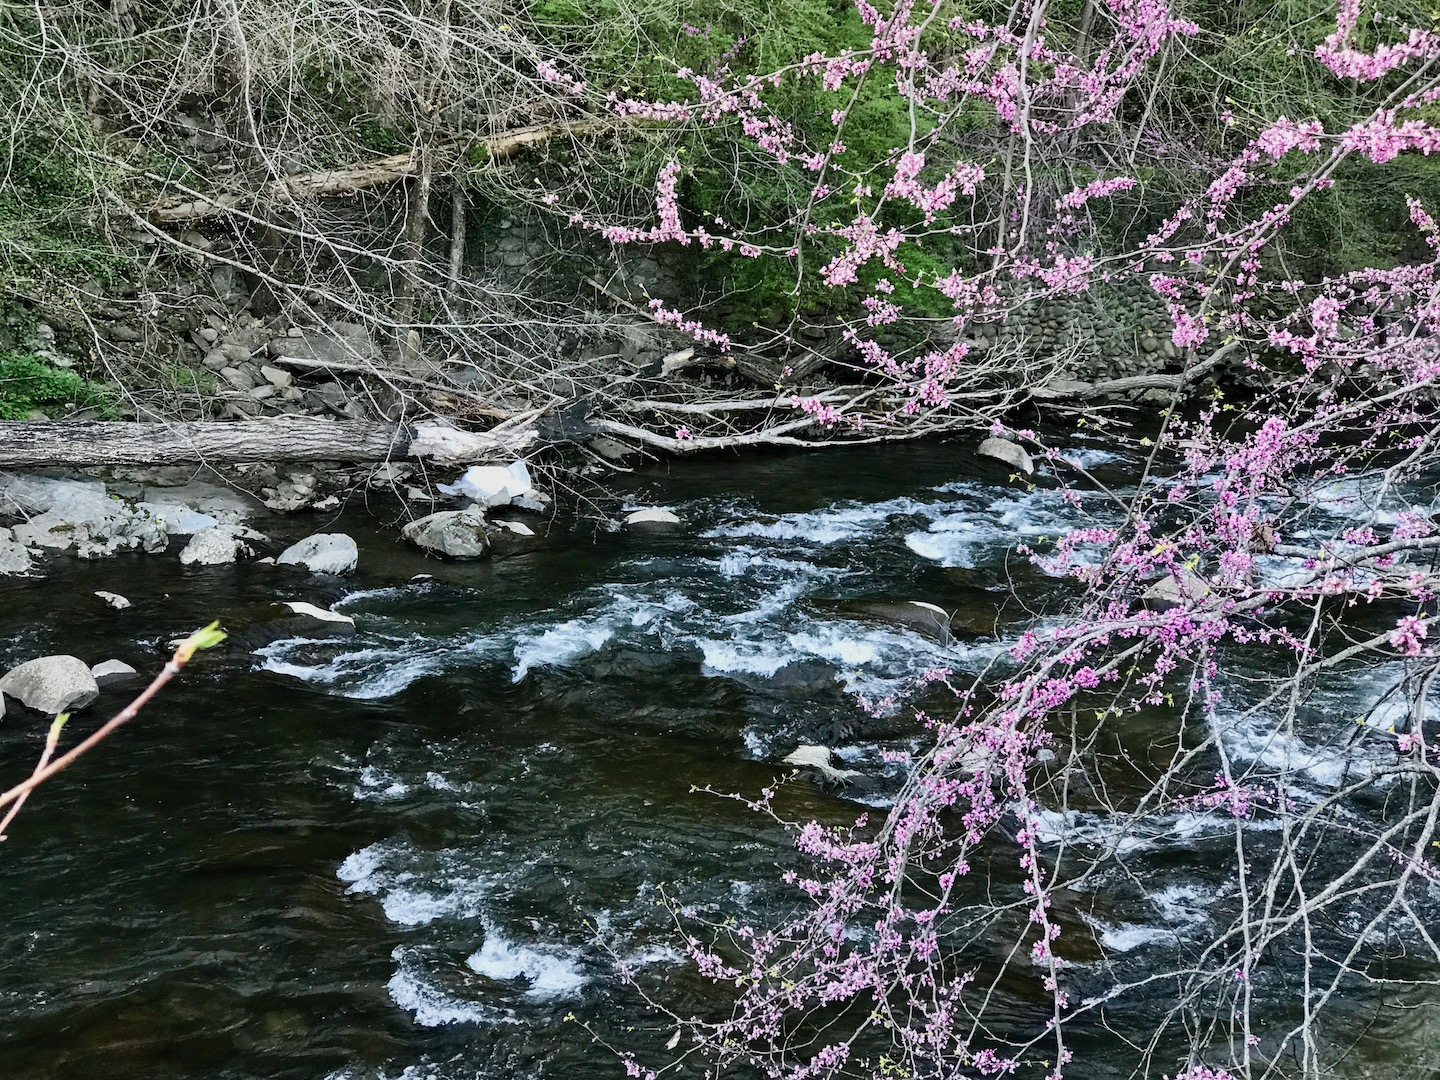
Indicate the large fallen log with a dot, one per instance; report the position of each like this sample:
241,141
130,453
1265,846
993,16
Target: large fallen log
31,444
356,178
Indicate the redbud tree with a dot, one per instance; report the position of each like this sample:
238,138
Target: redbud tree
1189,690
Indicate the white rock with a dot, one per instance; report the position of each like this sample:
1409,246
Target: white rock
323,553
323,614
491,485
456,534
51,684
114,599
111,673
818,757
330,502
79,514
652,516
275,377
519,528
1010,453
179,520
215,547
14,559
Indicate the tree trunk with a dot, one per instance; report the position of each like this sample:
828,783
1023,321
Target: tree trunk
26,444
457,232
194,207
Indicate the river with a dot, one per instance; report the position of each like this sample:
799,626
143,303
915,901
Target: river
423,851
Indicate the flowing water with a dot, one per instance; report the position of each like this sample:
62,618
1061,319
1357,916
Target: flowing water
427,850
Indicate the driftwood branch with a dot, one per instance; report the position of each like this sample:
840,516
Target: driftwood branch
356,178
25,444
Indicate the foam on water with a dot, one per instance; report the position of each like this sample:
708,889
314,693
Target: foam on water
411,893
1126,937
840,522
1125,835
412,989
546,971
374,671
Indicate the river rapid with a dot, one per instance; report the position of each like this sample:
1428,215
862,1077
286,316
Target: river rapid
426,851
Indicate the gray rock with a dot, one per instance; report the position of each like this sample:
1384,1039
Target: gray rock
346,343
1183,588
275,377
456,534
612,449
215,547
51,684
1012,454
323,553
14,559
79,514
112,673
237,378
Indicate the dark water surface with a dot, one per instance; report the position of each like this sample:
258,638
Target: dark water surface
416,851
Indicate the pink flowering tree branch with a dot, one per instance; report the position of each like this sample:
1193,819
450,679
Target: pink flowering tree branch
1174,695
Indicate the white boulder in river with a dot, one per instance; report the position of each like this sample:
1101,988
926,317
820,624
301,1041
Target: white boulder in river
51,684
456,534
323,553
215,546
1010,453
653,519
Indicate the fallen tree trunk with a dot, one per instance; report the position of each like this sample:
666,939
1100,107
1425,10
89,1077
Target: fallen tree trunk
355,178
31,444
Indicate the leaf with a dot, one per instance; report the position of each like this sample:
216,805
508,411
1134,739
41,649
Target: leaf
207,637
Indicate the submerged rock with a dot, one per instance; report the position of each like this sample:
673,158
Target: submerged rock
455,534
112,599
1012,454
310,611
258,625
112,673
653,519
51,684
323,553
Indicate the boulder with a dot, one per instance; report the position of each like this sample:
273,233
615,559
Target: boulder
1182,588
818,758
216,546
1012,454
112,673
323,553
79,514
112,599
14,559
653,519
491,485
51,684
455,534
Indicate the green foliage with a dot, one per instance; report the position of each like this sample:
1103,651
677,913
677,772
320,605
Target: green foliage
28,383
48,220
